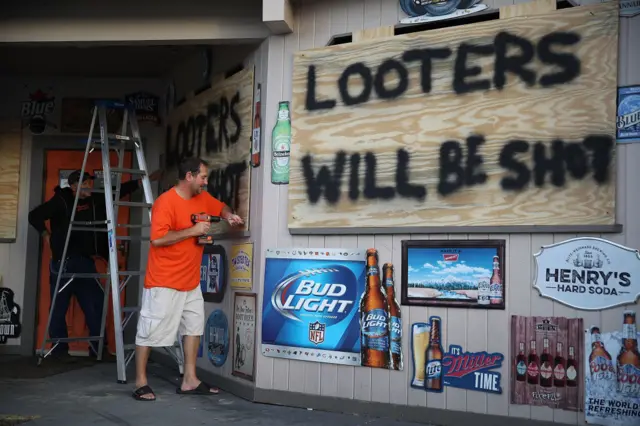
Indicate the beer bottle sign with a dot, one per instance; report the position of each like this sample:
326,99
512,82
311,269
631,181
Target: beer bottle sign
628,361
281,146
374,313
395,319
434,354
600,361
572,371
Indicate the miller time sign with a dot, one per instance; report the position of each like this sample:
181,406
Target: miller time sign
588,273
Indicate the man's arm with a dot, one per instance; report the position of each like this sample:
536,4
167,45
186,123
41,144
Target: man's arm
129,187
218,208
42,213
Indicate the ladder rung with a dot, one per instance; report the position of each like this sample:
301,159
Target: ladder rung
132,171
85,275
132,204
129,346
91,222
131,309
99,275
135,226
74,339
89,228
132,238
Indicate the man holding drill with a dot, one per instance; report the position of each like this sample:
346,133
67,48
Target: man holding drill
172,298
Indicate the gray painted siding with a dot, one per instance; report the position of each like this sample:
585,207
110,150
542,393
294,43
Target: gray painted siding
476,330
259,59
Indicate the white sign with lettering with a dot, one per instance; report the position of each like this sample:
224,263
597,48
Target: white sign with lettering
588,273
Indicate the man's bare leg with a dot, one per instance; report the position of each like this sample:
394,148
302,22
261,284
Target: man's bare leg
190,380
142,356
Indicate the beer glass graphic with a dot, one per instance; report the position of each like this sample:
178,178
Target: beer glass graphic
419,342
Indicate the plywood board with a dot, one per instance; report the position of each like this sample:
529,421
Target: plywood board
215,125
423,124
10,147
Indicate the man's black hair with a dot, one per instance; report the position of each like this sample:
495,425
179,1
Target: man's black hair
190,164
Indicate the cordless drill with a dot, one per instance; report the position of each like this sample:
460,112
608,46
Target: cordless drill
203,217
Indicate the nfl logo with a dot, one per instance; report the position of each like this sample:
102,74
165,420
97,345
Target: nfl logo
316,332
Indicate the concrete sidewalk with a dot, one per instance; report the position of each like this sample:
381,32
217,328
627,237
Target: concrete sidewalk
91,396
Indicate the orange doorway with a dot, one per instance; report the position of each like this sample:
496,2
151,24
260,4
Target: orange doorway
59,163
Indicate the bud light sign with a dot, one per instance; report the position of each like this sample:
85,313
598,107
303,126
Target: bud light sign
310,305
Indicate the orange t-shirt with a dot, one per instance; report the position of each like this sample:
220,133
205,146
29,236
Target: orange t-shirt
177,265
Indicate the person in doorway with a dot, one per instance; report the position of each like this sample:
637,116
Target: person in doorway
172,303
82,247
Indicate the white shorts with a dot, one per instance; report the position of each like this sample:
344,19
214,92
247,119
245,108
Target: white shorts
165,311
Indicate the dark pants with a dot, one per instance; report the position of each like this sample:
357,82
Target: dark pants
88,293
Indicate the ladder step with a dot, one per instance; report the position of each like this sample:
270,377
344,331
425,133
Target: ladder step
132,171
132,204
132,238
131,309
136,226
112,104
74,339
89,228
99,275
91,222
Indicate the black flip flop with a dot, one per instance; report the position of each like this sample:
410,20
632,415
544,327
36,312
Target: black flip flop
202,389
144,390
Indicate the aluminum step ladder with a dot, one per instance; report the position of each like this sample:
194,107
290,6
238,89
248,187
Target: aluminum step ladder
117,279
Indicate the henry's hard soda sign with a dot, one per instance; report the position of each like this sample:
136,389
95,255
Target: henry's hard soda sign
310,305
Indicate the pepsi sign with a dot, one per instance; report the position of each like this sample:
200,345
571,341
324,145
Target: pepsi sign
310,307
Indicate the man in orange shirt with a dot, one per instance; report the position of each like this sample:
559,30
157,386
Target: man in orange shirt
172,298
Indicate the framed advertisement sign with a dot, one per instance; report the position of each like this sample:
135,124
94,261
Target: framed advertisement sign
546,362
588,273
310,309
612,373
213,273
454,273
241,266
244,335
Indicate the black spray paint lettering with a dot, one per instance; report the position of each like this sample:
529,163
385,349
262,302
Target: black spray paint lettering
463,71
205,134
460,168
224,184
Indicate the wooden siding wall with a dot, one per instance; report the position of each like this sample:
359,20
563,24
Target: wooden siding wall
256,220
475,330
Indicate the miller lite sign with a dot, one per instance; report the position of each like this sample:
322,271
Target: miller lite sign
588,273
310,305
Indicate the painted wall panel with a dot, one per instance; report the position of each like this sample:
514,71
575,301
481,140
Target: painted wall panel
14,258
316,22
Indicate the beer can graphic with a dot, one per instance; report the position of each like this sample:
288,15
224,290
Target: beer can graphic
484,291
